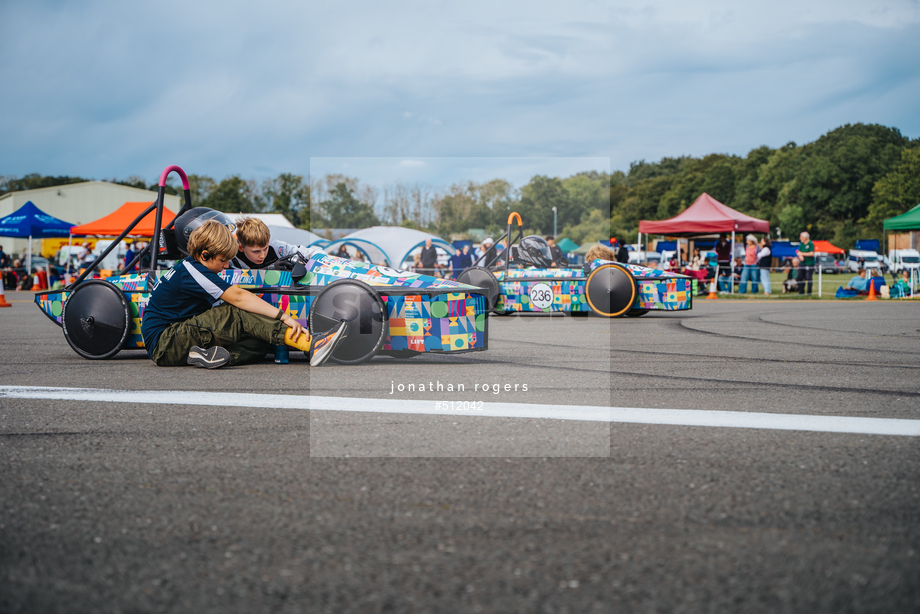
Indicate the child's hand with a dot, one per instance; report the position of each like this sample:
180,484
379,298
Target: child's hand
297,329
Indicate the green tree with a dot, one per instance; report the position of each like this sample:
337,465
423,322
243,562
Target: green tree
594,227
288,195
898,191
586,192
539,197
234,195
200,188
474,205
33,181
343,210
833,184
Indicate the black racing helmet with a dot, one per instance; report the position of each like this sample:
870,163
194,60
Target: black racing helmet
534,251
195,218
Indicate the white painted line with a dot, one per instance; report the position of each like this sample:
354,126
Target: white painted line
630,415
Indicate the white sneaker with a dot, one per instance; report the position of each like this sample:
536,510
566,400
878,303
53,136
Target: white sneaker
210,358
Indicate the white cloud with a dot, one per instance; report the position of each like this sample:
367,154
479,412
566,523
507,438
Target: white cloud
109,89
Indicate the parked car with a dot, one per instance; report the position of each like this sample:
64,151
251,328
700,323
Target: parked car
828,264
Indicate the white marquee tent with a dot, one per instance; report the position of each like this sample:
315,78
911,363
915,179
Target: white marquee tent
297,236
390,246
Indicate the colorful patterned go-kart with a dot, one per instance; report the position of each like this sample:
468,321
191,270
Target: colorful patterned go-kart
525,283
392,312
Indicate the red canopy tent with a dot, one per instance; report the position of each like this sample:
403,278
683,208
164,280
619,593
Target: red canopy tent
705,216
114,223
826,247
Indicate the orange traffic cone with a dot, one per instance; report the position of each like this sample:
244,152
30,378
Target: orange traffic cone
3,302
871,296
712,290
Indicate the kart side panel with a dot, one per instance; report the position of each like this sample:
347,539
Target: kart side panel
656,290
425,314
567,295
446,322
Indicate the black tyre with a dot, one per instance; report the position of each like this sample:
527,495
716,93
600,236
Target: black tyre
96,319
635,313
358,304
610,290
400,354
481,278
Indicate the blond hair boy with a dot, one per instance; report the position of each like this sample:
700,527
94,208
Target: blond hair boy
258,250
181,325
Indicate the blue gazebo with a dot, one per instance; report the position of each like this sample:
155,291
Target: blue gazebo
31,222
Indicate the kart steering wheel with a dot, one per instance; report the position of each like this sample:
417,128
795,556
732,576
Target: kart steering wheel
287,263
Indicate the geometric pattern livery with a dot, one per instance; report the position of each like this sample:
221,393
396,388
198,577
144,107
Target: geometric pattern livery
658,290
441,317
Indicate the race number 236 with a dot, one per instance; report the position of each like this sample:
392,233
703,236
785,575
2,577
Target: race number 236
541,295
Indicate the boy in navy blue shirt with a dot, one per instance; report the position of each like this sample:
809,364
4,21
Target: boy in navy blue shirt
182,326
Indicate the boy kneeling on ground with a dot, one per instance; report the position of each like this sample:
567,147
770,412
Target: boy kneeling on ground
181,325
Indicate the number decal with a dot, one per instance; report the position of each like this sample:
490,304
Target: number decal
541,295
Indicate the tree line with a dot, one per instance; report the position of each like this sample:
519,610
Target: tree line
839,187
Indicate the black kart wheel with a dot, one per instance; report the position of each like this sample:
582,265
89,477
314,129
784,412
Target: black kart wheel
635,313
481,278
400,354
610,290
96,319
358,304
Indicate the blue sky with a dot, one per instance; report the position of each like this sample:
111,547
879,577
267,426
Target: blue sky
112,89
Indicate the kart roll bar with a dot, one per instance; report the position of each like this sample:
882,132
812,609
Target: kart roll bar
520,234
158,205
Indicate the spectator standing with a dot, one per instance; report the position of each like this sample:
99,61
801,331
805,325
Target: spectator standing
806,254
764,260
467,257
749,270
622,254
724,252
4,259
144,262
456,263
86,254
429,258
129,256
724,279
483,248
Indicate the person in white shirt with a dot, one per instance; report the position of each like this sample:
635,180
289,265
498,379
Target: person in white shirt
764,260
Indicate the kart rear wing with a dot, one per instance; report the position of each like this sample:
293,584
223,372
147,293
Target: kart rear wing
158,205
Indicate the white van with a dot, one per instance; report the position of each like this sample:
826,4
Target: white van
69,252
861,259
637,257
116,258
901,259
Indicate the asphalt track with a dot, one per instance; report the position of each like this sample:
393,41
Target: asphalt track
349,498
